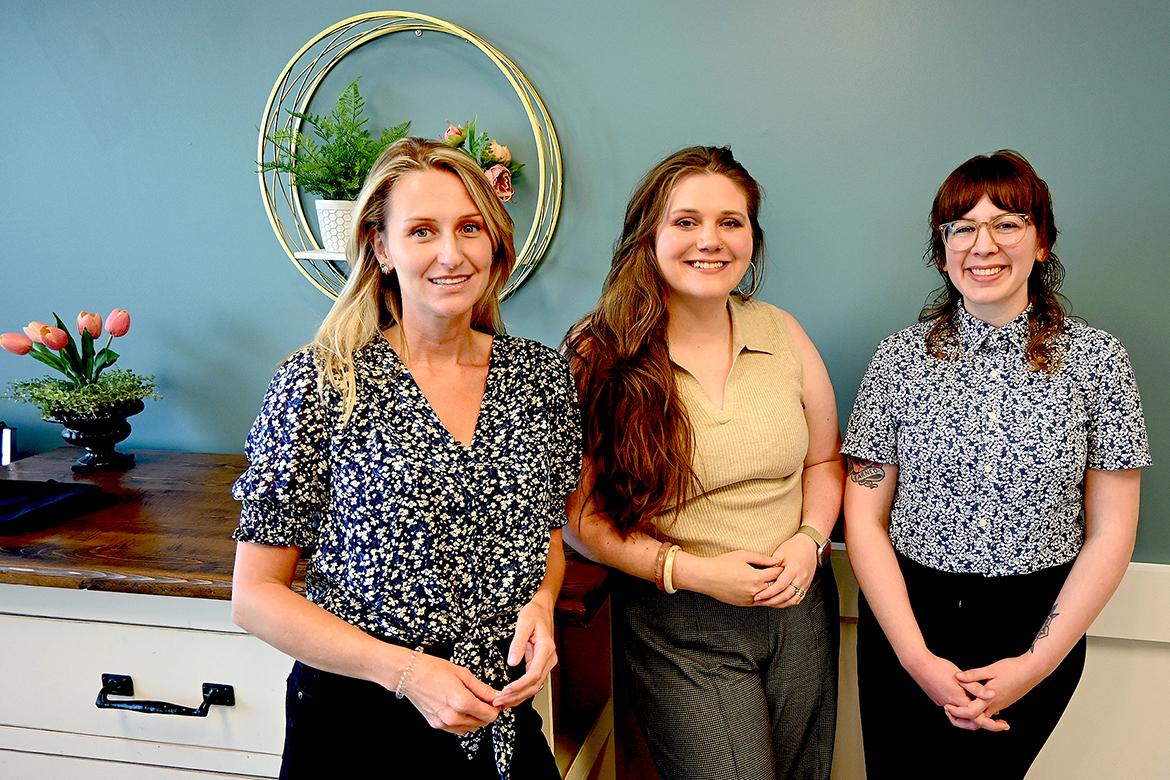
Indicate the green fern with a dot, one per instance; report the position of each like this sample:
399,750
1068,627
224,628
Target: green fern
336,167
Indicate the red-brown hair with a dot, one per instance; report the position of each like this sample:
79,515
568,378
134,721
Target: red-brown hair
1012,184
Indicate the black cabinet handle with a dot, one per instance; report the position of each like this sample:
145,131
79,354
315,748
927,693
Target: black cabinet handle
123,685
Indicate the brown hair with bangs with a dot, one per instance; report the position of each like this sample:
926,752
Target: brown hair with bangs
636,429
1013,185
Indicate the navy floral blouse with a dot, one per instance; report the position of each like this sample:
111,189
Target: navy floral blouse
417,538
991,454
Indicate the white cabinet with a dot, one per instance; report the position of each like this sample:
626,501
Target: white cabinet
55,644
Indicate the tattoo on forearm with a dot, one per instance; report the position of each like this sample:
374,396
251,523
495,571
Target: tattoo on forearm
1045,628
866,473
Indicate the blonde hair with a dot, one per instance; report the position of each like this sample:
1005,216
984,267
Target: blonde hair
371,301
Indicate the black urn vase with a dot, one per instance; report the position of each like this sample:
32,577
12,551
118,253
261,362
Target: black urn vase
99,433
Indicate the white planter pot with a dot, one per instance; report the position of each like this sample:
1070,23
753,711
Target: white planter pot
334,218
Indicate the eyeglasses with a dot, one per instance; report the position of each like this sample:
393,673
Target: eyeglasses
1005,230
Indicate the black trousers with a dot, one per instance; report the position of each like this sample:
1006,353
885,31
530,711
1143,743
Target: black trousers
732,693
972,621
338,726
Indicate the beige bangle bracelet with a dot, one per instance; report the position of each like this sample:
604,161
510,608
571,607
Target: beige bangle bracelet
668,570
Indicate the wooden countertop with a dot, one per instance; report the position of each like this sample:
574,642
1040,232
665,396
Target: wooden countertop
164,528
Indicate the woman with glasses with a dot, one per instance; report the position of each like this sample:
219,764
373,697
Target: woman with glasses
712,479
995,451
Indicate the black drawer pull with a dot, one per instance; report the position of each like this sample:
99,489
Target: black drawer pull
122,685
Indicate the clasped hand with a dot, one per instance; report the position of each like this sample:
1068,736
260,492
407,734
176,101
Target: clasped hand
748,579
453,699
973,698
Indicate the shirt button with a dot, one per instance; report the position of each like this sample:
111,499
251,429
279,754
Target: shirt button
993,416
987,468
994,374
983,523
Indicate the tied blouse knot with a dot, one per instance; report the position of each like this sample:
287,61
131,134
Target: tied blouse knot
416,538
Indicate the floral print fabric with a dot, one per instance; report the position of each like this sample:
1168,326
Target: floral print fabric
991,455
418,539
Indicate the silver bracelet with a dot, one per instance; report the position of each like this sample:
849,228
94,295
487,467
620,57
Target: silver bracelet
398,692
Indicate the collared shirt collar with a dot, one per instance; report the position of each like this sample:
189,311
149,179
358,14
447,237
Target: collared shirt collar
747,332
974,331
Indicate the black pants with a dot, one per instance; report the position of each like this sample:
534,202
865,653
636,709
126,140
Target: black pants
732,693
338,726
972,621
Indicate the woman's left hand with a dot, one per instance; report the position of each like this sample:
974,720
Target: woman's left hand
994,688
797,567
533,642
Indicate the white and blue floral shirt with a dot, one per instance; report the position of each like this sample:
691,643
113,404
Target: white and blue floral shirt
417,538
991,454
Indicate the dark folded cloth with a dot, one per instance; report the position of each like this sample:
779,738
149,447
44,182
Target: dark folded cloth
20,498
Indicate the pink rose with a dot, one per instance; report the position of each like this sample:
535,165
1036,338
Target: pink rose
499,153
118,322
54,338
16,343
454,134
89,322
501,180
33,331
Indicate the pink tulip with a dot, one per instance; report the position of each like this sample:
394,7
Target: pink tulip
16,343
33,331
89,322
54,338
118,322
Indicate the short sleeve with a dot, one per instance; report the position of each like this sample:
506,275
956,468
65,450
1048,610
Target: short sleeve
1117,430
564,444
872,433
285,489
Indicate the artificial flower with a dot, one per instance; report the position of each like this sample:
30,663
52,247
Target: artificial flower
493,157
33,331
118,322
89,322
16,343
454,134
501,180
84,391
54,338
499,153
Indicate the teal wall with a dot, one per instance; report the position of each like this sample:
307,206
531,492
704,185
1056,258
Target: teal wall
128,140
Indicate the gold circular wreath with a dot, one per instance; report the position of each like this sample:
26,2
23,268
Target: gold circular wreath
298,83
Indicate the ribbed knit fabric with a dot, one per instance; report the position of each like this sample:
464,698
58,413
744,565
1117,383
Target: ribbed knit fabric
749,455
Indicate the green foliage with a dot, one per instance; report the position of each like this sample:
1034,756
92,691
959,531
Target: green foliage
335,168
478,146
58,396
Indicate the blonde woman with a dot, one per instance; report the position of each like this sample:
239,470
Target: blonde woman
423,456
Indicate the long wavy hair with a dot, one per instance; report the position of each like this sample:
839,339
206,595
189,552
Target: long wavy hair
1013,185
371,301
636,429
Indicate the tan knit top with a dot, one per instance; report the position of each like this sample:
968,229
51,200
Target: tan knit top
749,455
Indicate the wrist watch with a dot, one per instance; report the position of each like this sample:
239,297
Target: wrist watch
824,546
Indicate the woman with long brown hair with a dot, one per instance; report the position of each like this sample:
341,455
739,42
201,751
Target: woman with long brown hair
995,452
424,456
712,479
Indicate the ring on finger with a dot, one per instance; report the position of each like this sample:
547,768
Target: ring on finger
799,592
